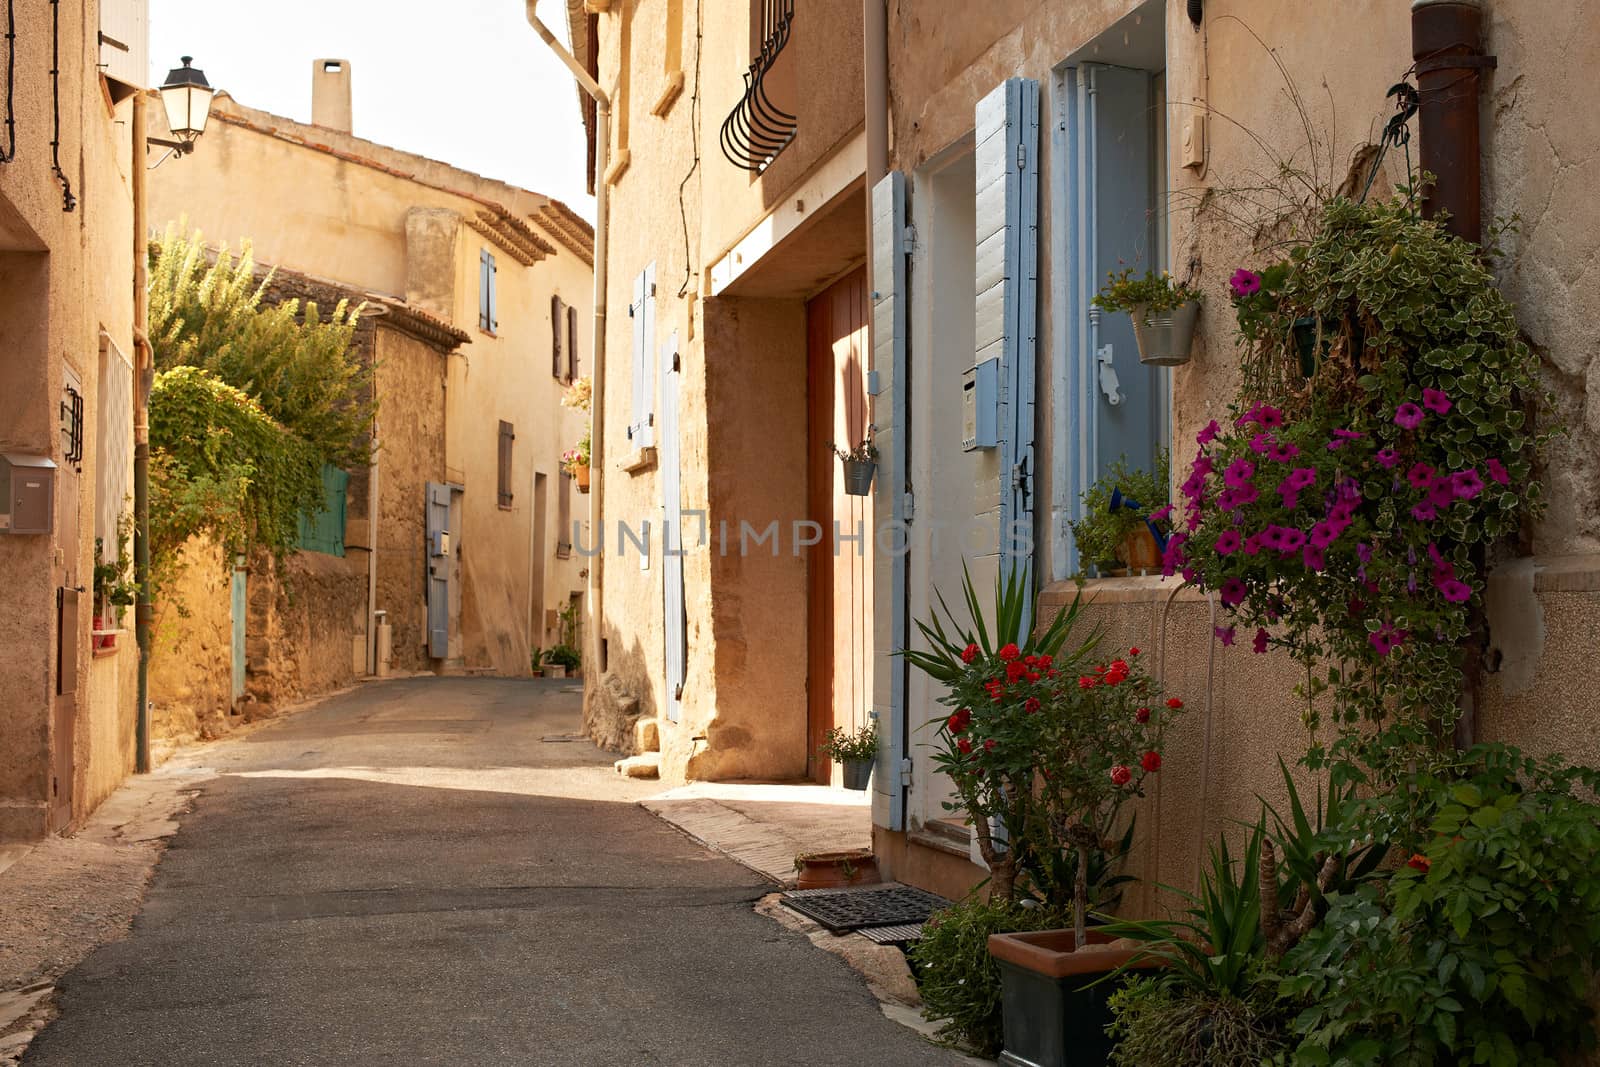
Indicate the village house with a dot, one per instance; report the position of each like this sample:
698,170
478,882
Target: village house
478,297
70,154
736,361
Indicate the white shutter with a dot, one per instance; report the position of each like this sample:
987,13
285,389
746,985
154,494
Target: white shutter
890,416
641,429
1007,290
113,446
125,41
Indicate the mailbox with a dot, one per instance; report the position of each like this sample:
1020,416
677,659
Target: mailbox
980,406
29,483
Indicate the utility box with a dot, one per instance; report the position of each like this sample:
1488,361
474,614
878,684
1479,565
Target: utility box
29,484
980,406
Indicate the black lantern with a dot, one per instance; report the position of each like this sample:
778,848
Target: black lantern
187,97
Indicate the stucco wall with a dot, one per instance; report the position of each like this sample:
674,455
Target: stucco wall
191,661
63,277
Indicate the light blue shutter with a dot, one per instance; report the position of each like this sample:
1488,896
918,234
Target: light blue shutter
672,547
1007,291
494,303
889,360
483,289
641,430
438,550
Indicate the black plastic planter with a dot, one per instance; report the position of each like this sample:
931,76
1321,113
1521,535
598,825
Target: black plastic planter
857,773
1055,1001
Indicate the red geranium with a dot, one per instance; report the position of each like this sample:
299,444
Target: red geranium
1010,652
969,653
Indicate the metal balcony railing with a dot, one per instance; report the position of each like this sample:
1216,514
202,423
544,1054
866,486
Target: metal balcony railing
756,130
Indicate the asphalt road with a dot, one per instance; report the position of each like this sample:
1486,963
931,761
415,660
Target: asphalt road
412,874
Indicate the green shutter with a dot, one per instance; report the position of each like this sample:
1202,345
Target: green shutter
324,531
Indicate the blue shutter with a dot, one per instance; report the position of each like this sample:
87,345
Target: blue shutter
324,531
438,551
483,289
672,547
494,303
889,360
641,427
1007,292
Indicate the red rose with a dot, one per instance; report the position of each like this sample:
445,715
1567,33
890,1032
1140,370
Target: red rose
1133,651
1419,862
1010,652
963,744
1142,715
1174,703
988,745
1032,705
1151,762
1121,775
1046,662
969,653
959,721
1088,681
1015,672
1030,660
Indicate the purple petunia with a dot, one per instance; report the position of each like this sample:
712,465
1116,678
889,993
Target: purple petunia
1420,476
1233,499
1436,401
1161,513
1261,443
1224,634
1315,558
1238,473
1232,593
1260,642
1342,438
1466,484
1408,416
1245,282
1442,493
1228,542
1387,638
1291,540
1424,512
1252,545
1387,458
1324,534
1498,472
1455,591
1364,552
1283,451
1207,434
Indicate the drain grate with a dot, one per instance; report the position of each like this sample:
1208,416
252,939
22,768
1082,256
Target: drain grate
893,935
842,910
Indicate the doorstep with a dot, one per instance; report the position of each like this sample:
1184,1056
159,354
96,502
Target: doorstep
765,825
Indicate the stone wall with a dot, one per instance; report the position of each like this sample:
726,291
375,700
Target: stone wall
306,625
191,660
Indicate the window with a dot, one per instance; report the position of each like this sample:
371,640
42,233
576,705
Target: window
564,517
572,343
488,312
558,359
641,428
507,436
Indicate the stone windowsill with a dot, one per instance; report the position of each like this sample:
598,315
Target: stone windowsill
1133,589
944,835
639,460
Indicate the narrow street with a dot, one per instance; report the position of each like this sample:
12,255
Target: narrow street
432,871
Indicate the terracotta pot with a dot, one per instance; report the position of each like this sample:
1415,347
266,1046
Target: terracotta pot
1140,552
831,870
1053,999
582,472
100,640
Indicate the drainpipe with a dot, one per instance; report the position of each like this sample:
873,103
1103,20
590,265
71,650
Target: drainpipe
144,372
597,422
1447,44
372,542
875,89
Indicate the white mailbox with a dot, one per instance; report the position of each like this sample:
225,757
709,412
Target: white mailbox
980,406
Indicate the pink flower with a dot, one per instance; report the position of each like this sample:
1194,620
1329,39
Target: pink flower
1261,443
1283,452
1269,417
1498,472
1387,458
1207,434
1238,473
1436,401
1420,476
1386,638
1408,416
1291,540
1342,438
1245,282
1466,484
1301,478
1315,558
1324,534
1163,512
1260,643
1228,542
1252,545
1455,591
1424,512
1233,591
1224,634
1232,499
1442,493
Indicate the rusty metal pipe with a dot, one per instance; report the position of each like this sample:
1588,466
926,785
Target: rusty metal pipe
1447,45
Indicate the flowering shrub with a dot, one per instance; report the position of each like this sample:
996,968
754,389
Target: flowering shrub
1347,517
573,458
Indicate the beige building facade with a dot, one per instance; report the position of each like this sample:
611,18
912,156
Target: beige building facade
479,300
67,662
1169,111
735,358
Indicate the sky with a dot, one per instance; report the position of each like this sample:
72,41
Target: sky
462,81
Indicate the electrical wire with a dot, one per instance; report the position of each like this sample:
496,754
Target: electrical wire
68,201
9,153
694,133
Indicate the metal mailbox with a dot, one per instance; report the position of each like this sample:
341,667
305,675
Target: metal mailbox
29,483
980,406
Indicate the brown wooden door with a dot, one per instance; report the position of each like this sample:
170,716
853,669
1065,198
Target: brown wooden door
838,620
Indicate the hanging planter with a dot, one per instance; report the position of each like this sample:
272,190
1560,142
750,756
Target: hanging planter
855,751
859,464
581,473
1165,336
858,773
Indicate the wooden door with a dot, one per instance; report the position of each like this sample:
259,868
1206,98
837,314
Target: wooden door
839,574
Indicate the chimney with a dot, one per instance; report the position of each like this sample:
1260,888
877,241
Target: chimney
330,93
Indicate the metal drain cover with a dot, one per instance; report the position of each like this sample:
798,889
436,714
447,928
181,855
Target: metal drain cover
843,910
893,935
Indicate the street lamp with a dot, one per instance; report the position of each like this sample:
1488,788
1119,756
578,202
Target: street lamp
186,95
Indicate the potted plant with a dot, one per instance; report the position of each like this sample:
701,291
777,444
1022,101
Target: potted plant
857,750
575,461
537,665
831,870
1163,314
563,661
1105,735
1125,519
113,591
859,464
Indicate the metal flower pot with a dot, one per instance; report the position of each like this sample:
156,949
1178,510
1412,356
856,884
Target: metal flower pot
858,476
1164,337
858,773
